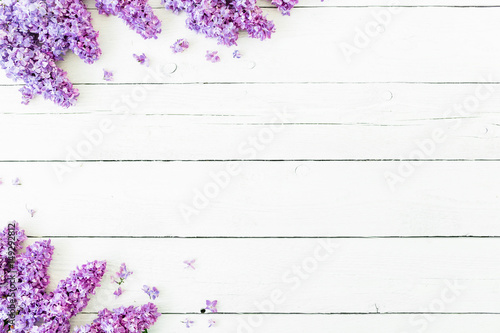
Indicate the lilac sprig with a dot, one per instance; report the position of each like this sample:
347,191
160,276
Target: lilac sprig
121,275
180,45
37,310
153,292
138,15
222,19
123,319
33,37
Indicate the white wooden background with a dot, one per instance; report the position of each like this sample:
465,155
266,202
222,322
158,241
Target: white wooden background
419,256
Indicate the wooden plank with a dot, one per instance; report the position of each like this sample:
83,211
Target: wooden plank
415,46
348,324
290,121
261,199
295,275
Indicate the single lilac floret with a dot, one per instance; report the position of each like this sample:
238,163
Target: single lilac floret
212,56
118,292
142,59
190,263
180,46
153,293
236,54
188,322
108,75
211,306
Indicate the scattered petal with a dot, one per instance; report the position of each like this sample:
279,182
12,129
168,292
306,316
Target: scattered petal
236,54
108,75
142,59
31,211
188,322
16,182
190,263
180,46
211,322
118,292
212,56
211,306
153,293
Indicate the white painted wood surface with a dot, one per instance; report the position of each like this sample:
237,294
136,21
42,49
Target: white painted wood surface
417,108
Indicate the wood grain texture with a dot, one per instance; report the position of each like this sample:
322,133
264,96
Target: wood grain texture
309,275
264,199
419,256
348,324
290,121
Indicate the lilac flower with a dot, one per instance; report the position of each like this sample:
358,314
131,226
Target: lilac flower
190,263
16,182
180,45
211,306
31,211
118,292
138,15
124,319
237,54
38,310
224,20
212,56
142,59
188,322
285,5
153,293
121,275
211,322
108,75
34,35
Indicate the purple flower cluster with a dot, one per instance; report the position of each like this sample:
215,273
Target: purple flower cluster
121,275
212,56
142,59
285,5
180,46
153,292
138,15
34,34
123,319
223,19
25,278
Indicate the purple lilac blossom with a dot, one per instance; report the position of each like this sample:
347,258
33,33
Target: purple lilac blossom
190,263
121,275
222,19
237,54
16,182
118,292
212,56
180,45
285,5
124,319
142,59
211,322
211,306
108,75
41,311
32,39
188,323
153,293
138,15
31,211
